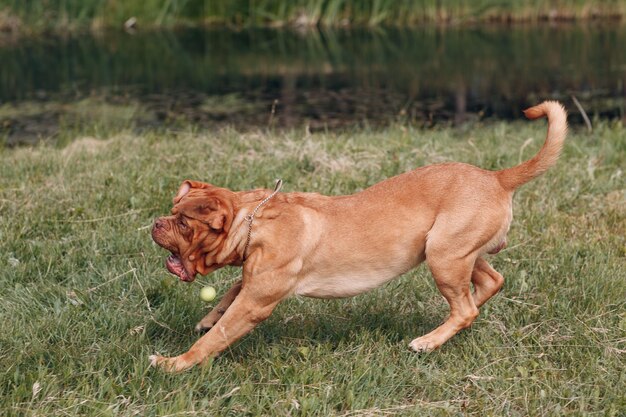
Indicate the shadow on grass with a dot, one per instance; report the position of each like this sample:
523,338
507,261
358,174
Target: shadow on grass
298,322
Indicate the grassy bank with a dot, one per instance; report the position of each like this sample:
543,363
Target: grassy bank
75,14
86,299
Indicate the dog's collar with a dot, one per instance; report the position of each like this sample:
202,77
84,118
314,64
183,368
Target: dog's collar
250,217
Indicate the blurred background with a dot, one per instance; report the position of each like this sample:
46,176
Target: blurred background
92,67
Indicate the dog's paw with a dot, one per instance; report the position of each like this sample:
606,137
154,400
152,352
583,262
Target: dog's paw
154,360
210,320
203,327
200,328
422,345
175,364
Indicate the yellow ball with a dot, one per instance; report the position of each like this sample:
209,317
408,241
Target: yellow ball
207,294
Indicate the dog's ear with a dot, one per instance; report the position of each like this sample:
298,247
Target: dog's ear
186,186
213,211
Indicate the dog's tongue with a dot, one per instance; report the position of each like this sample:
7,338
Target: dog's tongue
175,266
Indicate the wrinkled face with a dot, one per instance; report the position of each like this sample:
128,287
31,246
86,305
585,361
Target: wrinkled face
196,230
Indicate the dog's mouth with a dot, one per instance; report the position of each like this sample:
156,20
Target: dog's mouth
176,267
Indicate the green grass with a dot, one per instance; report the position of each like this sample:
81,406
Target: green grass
85,298
35,15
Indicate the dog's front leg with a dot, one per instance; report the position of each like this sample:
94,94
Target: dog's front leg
216,313
255,302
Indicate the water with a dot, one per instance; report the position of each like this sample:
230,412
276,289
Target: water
324,80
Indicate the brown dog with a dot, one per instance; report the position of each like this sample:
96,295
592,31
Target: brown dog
449,214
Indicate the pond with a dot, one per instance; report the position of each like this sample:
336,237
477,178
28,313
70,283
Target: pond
319,79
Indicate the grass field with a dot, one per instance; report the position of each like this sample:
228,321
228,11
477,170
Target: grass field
85,298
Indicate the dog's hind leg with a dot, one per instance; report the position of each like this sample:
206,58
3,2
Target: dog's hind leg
452,277
487,282
216,313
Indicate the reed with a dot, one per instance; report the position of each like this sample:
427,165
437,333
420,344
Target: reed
79,14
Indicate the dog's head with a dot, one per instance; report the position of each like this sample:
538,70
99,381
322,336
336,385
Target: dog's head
196,230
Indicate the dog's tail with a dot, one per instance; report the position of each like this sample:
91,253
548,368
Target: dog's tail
512,178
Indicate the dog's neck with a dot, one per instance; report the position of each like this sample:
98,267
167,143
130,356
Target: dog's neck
248,205
250,217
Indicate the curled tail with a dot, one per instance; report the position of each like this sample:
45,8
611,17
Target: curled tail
512,178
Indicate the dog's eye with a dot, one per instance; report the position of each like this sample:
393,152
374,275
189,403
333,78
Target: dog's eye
182,223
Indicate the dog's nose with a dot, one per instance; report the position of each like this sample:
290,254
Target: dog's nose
160,224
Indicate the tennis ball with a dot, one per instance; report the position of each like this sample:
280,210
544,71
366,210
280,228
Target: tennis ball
207,294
